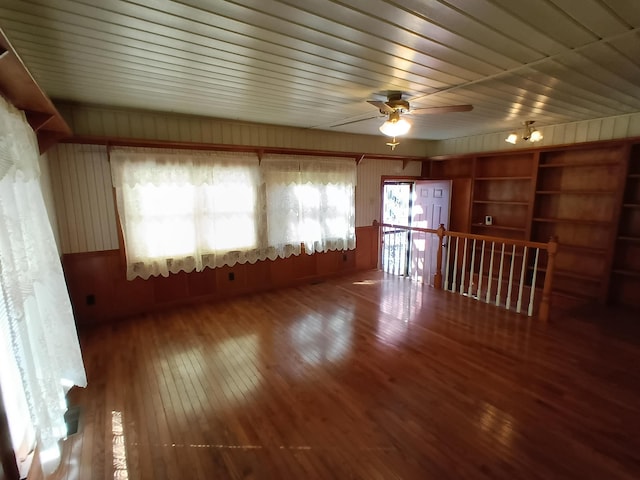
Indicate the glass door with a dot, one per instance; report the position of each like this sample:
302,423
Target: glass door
396,210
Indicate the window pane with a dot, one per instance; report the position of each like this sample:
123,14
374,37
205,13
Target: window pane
160,221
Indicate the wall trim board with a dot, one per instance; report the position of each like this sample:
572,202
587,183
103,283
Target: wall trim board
258,150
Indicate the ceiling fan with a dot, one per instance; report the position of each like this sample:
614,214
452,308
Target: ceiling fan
395,107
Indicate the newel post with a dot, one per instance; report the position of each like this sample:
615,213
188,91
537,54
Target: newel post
545,304
378,246
437,278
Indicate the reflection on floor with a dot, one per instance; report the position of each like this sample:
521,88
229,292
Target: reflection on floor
368,376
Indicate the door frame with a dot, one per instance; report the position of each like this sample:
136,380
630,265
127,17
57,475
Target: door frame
407,179
392,179
409,182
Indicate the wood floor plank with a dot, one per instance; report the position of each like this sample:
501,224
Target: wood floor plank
362,377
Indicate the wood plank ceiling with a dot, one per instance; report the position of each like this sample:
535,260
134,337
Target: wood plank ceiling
314,63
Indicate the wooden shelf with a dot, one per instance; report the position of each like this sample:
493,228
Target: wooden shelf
19,88
623,238
580,248
573,221
578,164
569,274
572,294
631,205
502,202
627,273
578,276
574,192
499,227
634,175
486,179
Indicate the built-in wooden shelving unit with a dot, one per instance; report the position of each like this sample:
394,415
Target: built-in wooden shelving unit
586,195
581,212
19,88
625,284
502,195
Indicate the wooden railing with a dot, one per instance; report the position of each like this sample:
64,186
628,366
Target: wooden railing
506,272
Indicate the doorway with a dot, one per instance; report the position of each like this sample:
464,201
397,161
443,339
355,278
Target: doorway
413,203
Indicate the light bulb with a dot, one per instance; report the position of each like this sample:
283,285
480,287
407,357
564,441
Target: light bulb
512,138
535,136
395,126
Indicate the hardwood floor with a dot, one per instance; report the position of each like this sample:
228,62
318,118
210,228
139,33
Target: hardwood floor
363,377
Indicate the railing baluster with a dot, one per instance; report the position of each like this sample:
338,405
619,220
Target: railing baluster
437,277
499,290
480,273
464,266
446,272
396,252
387,243
426,265
455,267
523,269
401,255
403,251
533,284
510,287
391,267
394,256
473,260
490,278
545,303
385,250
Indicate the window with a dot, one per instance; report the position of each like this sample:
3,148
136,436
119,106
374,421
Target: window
186,210
310,201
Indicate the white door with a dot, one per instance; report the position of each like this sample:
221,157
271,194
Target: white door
431,202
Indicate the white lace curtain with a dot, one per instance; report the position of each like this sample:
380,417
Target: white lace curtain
187,210
40,350
311,201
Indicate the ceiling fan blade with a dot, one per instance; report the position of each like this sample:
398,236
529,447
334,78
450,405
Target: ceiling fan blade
354,121
447,109
382,106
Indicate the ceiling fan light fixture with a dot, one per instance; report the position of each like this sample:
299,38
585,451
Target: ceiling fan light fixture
395,126
512,138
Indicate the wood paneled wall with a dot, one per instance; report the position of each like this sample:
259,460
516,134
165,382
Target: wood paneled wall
100,291
83,197
86,214
609,128
124,123
93,263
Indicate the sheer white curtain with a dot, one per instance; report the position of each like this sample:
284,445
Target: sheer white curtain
185,210
41,354
310,201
